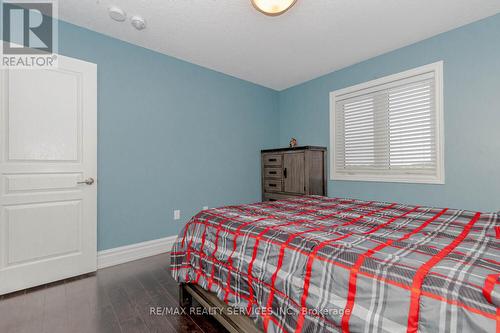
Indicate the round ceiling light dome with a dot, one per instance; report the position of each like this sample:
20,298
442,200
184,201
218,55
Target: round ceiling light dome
273,7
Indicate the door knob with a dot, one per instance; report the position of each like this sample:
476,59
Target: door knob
88,181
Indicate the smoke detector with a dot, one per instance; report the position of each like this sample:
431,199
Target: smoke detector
138,22
117,14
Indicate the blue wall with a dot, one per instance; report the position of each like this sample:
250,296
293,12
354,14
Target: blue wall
471,57
171,135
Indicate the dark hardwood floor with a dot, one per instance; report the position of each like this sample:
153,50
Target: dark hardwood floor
115,299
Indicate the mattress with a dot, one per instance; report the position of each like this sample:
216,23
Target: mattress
317,264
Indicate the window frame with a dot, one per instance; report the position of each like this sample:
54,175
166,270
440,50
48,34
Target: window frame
439,177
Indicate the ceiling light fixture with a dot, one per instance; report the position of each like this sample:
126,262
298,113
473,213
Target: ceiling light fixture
273,7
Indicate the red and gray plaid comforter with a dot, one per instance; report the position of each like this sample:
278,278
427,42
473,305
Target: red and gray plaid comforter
316,264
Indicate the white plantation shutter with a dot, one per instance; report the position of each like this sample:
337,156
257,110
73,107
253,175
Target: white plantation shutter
390,129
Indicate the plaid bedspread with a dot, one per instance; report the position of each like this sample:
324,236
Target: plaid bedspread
316,264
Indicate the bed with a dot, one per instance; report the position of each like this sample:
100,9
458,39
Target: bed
317,264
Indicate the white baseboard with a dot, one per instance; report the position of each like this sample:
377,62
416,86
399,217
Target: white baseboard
123,254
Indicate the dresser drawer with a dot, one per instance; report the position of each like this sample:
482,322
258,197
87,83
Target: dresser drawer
273,173
276,197
273,159
272,185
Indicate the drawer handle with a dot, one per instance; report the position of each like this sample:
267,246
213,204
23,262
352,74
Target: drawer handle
272,160
272,185
284,172
272,172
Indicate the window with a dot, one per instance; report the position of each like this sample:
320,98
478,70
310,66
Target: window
390,129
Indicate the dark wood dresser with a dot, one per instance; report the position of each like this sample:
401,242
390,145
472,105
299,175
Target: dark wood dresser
288,172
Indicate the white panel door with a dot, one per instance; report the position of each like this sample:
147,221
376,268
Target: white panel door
48,139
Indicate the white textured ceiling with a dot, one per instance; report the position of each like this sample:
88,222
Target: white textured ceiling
315,37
